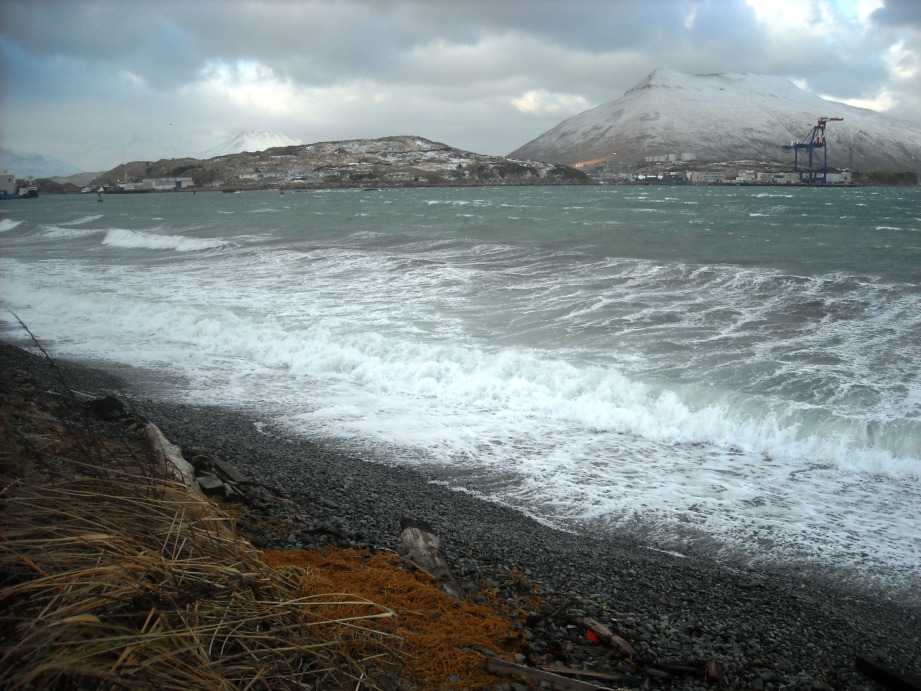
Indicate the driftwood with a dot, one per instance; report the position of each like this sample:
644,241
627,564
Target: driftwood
504,668
171,456
887,675
211,484
425,549
230,472
714,673
609,637
587,673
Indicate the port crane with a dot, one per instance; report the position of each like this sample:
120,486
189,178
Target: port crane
814,139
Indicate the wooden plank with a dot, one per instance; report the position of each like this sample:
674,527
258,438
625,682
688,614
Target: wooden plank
887,675
504,668
587,673
609,637
211,484
714,672
230,472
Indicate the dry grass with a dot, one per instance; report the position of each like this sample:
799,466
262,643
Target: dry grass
113,577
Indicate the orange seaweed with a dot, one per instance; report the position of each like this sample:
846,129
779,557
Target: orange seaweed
445,641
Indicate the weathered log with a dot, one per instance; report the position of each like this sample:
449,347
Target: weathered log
587,673
609,637
887,675
425,549
504,668
170,455
683,669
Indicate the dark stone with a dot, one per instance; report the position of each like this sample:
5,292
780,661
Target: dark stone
106,408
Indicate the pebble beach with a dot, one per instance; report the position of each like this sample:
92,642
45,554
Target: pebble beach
767,629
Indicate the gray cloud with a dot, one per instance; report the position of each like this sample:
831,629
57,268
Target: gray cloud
94,79
899,13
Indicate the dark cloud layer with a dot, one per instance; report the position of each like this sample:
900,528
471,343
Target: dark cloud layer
899,13
98,79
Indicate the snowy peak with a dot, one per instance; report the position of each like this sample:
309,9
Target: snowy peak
661,77
725,117
250,140
24,165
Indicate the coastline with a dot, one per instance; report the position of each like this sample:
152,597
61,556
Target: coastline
767,630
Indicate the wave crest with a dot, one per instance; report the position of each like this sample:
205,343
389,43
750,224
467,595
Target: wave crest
131,239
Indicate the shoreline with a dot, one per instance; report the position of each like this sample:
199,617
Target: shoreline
768,629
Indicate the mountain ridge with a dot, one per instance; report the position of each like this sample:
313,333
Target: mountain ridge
25,165
725,117
396,161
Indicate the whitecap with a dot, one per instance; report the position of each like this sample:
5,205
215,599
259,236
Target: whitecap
130,239
84,219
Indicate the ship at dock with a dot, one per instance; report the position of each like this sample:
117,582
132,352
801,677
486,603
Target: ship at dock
11,189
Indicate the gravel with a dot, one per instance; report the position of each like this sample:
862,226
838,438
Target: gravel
768,629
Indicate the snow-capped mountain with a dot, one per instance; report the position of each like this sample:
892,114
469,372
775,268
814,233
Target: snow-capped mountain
726,117
24,165
250,140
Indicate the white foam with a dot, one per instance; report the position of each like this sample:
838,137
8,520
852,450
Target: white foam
132,239
519,383
53,232
8,224
84,219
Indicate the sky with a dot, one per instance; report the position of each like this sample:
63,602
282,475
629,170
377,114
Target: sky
98,82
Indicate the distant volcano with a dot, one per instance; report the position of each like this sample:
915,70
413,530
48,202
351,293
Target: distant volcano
24,165
725,117
251,140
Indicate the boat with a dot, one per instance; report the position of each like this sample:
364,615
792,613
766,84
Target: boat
9,190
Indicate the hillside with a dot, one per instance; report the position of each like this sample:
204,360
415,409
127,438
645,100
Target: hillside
387,162
725,117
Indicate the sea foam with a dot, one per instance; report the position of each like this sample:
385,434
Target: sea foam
131,239
84,219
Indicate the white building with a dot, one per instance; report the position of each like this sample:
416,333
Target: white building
7,182
706,177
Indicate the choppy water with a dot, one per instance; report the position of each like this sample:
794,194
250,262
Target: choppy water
735,368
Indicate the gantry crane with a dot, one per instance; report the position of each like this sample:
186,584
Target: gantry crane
815,139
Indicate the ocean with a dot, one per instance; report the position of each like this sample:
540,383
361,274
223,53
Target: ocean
729,371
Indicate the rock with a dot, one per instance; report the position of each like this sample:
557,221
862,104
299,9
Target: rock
106,408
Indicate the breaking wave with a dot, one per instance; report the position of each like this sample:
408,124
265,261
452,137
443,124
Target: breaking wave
130,239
